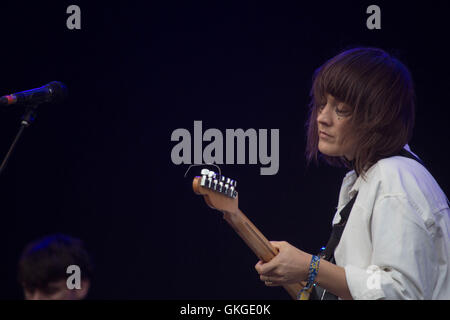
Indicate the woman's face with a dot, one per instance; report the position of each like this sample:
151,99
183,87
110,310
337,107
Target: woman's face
333,120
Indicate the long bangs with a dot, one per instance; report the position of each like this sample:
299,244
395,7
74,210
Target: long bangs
378,88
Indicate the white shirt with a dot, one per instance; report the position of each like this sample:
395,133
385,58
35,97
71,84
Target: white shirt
396,244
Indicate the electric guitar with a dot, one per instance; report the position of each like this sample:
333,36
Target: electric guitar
220,193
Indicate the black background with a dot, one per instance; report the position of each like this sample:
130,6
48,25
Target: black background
98,166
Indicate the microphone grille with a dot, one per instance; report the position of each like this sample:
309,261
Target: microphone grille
57,90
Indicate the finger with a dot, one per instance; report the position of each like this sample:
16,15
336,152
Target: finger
277,244
271,279
258,266
264,278
271,284
268,267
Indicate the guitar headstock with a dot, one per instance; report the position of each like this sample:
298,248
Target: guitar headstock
219,192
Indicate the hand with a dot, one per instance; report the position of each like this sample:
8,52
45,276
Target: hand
290,265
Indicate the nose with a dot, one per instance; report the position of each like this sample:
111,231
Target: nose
324,116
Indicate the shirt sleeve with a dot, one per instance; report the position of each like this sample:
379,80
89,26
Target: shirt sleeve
404,262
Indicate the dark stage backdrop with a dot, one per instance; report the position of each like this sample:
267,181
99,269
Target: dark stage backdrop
99,167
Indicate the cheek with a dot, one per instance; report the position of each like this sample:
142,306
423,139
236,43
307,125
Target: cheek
344,133
346,142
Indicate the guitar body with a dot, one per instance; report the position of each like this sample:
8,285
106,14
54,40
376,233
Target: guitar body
223,197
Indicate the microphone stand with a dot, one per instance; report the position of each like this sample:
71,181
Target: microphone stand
27,120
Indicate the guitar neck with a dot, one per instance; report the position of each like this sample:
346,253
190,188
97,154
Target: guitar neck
257,242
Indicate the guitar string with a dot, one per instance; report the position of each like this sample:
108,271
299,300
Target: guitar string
203,164
247,225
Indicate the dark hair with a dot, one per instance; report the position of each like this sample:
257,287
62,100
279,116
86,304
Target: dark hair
46,260
379,90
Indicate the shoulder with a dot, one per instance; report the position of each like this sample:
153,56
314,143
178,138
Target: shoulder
404,177
400,172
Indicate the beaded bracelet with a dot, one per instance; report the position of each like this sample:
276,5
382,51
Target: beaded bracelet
313,270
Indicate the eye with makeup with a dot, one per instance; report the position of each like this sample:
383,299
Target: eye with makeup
342,112
339,109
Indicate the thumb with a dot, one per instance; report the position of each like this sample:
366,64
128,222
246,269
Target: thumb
268,267
277,245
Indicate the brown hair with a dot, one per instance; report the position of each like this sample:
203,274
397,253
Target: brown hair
379,90
46,260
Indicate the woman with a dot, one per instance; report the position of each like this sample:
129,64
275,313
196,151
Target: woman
395,242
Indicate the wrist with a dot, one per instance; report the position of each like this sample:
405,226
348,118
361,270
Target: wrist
306,267
313,269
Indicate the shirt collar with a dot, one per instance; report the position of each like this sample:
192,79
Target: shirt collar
351,183
355,188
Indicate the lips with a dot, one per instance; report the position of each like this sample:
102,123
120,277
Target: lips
323,132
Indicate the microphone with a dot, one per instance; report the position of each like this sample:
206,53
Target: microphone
55,91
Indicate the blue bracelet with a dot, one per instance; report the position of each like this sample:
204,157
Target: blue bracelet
313,270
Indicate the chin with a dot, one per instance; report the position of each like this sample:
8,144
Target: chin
328,150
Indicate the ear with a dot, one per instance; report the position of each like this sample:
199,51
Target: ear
82,293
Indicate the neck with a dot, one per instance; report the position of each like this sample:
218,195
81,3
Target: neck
351,162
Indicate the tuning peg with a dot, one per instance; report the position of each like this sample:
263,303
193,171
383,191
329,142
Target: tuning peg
215,184
221,180
210,179
220,187
225,188
204,174
219,183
